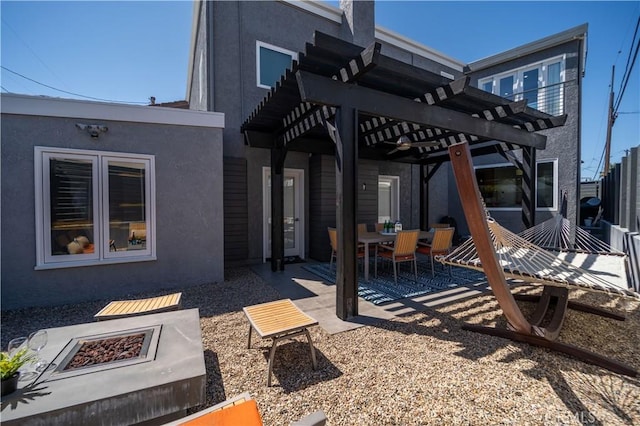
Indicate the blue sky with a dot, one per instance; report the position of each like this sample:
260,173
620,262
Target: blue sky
129,51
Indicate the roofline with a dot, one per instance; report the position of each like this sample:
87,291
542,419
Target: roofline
319,8
334,14
579,32
197,5
11,103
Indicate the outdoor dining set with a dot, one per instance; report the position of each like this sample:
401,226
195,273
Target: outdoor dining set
398,246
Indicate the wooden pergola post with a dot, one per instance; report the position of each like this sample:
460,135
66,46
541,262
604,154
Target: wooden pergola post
277,207
528,186
346,214
424,198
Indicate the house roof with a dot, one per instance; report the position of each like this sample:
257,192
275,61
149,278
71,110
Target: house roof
575,33
393,99
83,109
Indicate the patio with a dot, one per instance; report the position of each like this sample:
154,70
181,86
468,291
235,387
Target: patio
407,362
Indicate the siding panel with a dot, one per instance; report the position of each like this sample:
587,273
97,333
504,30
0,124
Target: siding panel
235,210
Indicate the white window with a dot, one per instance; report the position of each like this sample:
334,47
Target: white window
271,63
547,185
501,185
540,84
93,207
388,198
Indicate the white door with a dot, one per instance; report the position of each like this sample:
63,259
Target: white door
293,212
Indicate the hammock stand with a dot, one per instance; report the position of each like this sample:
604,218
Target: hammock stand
496,251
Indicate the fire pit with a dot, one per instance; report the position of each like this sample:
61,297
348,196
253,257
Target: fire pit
142,369
84,355
106,350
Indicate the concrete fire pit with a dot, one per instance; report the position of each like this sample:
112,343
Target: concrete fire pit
160,375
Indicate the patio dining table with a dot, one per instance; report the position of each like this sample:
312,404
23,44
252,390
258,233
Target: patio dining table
376,237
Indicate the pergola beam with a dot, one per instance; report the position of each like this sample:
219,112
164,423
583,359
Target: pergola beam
322,90
305,117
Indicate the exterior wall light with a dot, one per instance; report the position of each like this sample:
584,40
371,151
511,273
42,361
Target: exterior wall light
94,130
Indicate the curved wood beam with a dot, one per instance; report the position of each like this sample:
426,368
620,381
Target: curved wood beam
476,219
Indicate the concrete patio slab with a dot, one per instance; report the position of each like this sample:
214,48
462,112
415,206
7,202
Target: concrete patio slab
317,298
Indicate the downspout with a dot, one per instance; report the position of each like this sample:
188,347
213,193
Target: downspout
240,64
210,56
582,68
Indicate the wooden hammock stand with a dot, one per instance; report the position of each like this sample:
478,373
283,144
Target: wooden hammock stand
553,297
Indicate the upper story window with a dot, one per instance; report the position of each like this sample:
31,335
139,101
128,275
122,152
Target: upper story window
271,63
540,84
501,185
93,207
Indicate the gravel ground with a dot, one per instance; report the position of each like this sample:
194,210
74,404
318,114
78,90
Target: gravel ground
418,369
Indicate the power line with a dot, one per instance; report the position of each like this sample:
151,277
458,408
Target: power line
70,93
624,87
629,66
6,24
599,164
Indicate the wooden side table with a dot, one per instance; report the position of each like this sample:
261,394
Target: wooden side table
279,320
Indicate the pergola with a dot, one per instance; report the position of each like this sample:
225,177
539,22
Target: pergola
344,100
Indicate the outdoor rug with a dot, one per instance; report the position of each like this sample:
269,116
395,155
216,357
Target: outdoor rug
383,289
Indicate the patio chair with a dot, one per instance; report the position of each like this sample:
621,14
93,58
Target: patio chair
439,225
333,239
403,250
130,308
441,243
240,410
362,228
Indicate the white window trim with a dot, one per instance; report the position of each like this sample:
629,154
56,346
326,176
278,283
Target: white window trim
101,255
555,185
518,77
395,180
259,44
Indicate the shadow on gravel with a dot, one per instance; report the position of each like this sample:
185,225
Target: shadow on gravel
292,367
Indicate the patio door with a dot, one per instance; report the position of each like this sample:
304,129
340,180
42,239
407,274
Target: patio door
293,212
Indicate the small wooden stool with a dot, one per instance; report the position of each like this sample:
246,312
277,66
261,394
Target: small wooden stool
279,320
129,308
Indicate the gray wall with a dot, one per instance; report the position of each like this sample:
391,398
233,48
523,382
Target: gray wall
563,142
235,27
417,60
629,191
189,216
627,242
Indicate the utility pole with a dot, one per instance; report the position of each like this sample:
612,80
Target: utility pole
610,121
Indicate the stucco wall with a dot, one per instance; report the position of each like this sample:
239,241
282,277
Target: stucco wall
189,219
236,28
563,143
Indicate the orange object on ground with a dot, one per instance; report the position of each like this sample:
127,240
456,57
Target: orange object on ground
246,413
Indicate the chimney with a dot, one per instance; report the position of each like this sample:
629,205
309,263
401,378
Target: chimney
358,21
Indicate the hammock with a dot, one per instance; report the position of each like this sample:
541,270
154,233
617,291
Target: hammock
500,253
559,234
521,259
